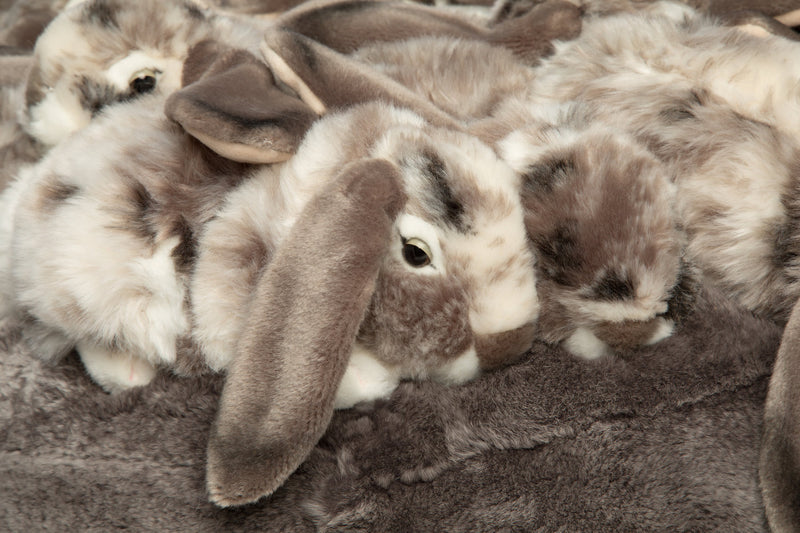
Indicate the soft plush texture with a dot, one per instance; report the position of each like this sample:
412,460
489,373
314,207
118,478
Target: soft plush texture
666,439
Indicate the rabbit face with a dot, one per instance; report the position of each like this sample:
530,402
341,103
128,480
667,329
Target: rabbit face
599,210
116,51
459,269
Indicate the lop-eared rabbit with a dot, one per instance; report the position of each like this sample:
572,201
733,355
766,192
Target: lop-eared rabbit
608,263
386,248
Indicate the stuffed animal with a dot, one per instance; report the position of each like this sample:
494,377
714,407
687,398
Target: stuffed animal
608,265
663,90
385,249
684,86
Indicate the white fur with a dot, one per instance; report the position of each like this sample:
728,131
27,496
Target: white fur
365,379
57,116
459,370
112,370
664,329
583,343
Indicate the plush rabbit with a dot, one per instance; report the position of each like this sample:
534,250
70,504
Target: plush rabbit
685,86
119,50
609,265
385,249
100,52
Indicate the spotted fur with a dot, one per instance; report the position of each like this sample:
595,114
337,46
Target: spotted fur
110,42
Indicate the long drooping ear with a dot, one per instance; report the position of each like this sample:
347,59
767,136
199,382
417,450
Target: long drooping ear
780,446
337,81
231,103
347,25
279,394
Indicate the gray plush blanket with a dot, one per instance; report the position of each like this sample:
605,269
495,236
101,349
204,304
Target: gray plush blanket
666,440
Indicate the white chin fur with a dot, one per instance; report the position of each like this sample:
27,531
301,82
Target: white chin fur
460,370
664,330
365,379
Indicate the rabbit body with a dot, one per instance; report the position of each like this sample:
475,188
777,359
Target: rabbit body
688,90
608,263
153,246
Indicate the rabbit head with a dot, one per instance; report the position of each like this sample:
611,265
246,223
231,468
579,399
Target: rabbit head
600,213
359,296
99,52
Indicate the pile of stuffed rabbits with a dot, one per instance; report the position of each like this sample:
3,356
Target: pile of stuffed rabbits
324,203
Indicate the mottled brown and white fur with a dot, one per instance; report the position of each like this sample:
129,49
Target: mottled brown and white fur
93,52
103,249
716,105
599,208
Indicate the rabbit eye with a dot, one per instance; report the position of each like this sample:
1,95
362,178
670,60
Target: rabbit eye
416,253
143,81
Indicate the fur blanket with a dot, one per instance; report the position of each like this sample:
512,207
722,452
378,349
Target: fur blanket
666,439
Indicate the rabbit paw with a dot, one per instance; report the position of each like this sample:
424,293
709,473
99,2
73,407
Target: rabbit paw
115,371
586,344
365,379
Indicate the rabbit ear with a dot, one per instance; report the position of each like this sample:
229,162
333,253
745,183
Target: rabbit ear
531,33
279,395
779,467
760,25
347,25
231,103
317,72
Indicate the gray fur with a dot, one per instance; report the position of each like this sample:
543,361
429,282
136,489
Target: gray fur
664,441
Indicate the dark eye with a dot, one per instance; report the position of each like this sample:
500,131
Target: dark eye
416,253
143,81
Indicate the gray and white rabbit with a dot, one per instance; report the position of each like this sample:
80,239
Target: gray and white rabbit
608,247
715,104
385,249
100,52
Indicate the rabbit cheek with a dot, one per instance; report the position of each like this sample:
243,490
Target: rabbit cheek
57,115
416,324
499,349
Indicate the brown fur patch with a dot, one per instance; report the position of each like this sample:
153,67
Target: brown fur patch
614,286
55,192
500,349
410,314
624,336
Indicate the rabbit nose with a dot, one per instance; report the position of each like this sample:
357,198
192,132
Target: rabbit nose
499,349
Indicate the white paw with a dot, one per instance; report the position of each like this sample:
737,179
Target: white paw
663,330
115,371
365,379
585,344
